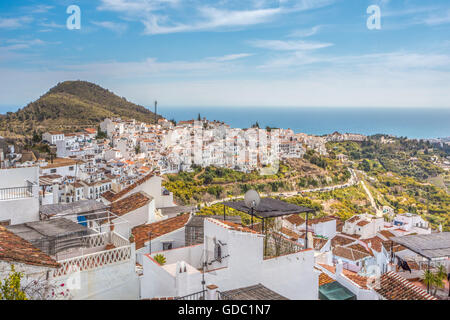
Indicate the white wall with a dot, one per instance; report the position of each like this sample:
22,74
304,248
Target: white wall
17,177
143,215
19,210
291,275
115,281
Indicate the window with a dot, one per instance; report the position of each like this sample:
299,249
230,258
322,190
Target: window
167,246
52,170
71,168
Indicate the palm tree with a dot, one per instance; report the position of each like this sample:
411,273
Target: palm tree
428,278
440,275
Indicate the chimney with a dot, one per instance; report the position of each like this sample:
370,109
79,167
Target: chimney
329,256
55,193
211,292
181,279
310,241
339,267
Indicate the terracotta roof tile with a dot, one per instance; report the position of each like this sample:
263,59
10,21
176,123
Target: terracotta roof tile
295,219
319,243
130,203
375,242
233,226
349,253
157,229
325,279
16,249
359,247
111,196
290,234
359,280
387,234
341,241
394,287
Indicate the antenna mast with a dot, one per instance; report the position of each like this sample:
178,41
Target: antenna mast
156,110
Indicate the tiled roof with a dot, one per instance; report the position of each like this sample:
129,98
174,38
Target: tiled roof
62,162
319,243
289,233
157,229
362,223
353,219
353,276
232,226
376,243
111,196
360,248
341,241
324,279
133,202
319,220
359,280
387,234
395,247
16,249
350,254
295,219
394,287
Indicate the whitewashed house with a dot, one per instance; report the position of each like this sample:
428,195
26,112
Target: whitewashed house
234,257
19,195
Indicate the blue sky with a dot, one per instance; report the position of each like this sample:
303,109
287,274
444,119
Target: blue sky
231,52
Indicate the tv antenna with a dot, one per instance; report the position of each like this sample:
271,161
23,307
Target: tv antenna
252,200
156,112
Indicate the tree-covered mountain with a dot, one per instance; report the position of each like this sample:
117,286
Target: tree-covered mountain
71,105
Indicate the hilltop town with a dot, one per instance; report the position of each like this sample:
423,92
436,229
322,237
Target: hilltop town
102,214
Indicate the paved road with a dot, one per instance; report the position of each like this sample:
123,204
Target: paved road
351,182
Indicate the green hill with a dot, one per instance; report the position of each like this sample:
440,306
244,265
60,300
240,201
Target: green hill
69,106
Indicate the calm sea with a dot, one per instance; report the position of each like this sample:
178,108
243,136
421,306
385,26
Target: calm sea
412,123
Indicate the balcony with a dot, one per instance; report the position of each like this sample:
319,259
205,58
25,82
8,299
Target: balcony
16,193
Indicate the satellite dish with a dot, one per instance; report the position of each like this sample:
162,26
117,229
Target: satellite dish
252,199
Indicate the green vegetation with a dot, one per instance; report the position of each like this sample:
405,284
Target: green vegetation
410,158
101,134
10,287
344,203
217,210
160,259
435,279
70,105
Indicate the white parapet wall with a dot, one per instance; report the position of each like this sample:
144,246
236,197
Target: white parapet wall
105,275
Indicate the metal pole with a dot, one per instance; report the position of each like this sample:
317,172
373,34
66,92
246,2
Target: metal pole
252,218
224,213
428,285
150,242
306,234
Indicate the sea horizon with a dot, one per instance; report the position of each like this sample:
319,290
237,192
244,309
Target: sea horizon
414,122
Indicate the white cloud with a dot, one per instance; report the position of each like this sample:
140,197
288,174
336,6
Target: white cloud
305,32
196,16
280,45
213,18
14,23
113,26
232,57
442,18
39,8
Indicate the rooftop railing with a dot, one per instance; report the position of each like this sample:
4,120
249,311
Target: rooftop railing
16,193
194,296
